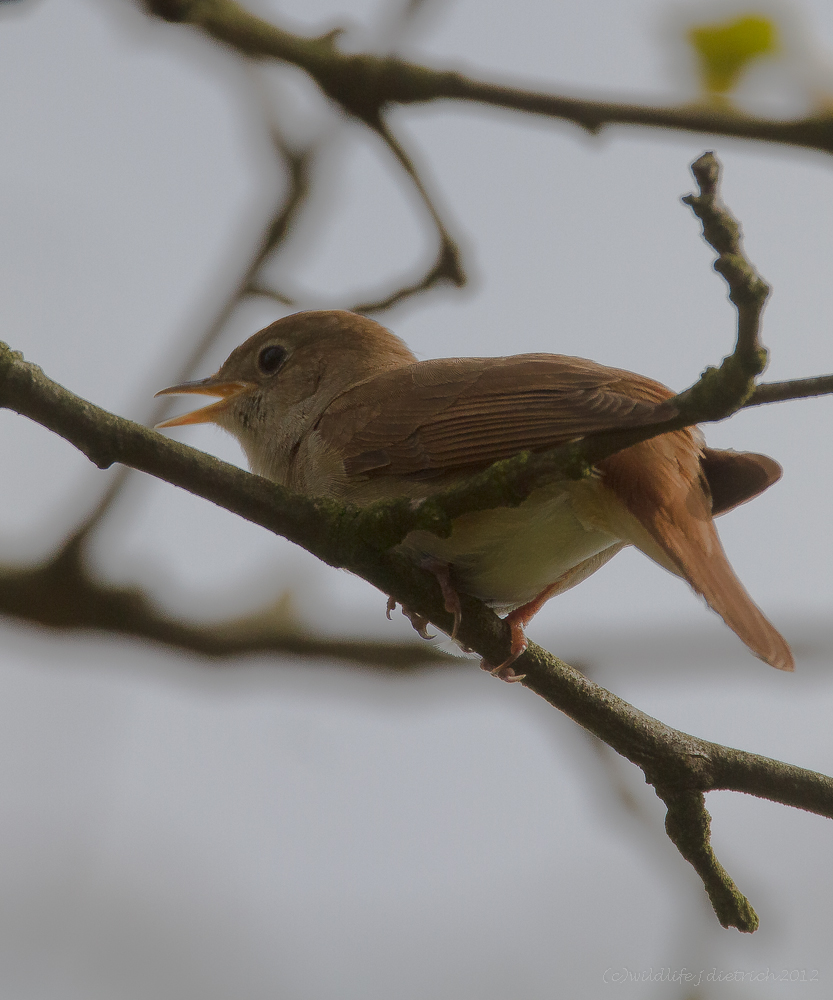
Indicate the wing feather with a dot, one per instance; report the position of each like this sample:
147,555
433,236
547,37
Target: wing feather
465,413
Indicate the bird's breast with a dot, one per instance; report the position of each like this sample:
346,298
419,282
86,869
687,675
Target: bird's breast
508,555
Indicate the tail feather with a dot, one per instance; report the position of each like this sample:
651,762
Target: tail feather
735,477
663,487
700,559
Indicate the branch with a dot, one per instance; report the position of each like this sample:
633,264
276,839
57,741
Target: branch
798,388
364,84
61,594
718,393
274,233
64,593
681,767
447,266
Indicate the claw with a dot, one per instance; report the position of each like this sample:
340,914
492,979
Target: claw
451,599
505,673
419,623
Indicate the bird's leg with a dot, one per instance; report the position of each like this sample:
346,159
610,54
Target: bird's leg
519,643
441,572
517,621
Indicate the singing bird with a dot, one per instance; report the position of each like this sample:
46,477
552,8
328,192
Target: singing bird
331,404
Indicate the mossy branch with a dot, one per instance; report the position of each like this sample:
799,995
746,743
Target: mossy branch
678,765
717,394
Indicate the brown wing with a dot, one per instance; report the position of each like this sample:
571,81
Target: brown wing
462,413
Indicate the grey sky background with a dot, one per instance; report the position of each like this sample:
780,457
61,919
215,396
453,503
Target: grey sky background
172,829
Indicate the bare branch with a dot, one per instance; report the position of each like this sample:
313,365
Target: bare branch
688,825
747,291
364,84
799,388
447,266
275,231
64,582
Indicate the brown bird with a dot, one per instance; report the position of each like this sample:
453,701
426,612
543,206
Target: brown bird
332,404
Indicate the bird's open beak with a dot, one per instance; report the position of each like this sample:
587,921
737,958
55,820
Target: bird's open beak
211,386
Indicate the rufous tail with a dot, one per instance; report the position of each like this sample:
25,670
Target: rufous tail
661,484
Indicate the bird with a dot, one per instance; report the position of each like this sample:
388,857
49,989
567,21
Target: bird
329,403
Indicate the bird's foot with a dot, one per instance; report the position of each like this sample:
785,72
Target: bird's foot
504,671
420,624
441,572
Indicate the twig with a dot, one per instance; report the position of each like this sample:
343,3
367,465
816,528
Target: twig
275,231
688,825
798,388
448,265
734,380
363,84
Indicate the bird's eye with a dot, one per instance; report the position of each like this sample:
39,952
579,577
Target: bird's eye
271,358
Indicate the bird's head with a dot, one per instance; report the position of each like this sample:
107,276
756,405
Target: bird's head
288,373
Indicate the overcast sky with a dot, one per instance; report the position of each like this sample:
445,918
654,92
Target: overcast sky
310,831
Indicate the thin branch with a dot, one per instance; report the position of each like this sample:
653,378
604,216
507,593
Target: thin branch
66,582
688,825
275,231
272,293
798,388
363,84
717,394
447,266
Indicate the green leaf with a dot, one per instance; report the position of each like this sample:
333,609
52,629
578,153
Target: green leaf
725,50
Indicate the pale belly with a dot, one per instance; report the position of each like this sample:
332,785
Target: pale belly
507,556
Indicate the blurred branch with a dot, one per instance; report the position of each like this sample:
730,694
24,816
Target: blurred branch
62,595
273,234
447,266
680,767
364,84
